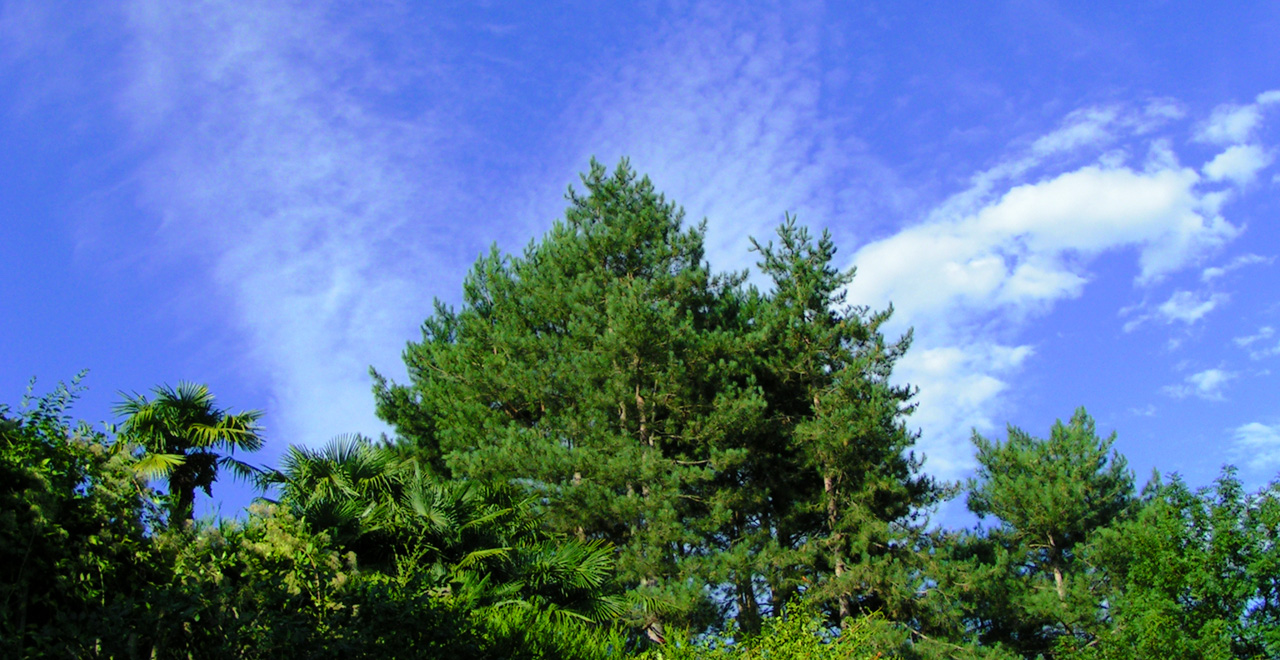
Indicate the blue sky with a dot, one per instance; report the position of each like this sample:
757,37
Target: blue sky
1071,203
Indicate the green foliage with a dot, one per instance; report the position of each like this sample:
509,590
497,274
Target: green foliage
272,588
74,556
1194,574
468,537
262,588
804,632
182,433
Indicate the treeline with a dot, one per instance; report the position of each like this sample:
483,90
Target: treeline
609,451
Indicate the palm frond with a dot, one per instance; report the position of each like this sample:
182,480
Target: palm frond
477,556
239,469
157,466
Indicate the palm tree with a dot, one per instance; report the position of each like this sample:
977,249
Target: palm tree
347,488
480,541
184,437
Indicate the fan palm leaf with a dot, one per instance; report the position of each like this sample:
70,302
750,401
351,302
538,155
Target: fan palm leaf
157,466
183,422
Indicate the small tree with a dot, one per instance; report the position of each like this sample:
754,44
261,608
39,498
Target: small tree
183,434
1050,497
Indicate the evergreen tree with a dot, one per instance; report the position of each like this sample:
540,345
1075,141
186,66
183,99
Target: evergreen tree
732,445
589,371
845,487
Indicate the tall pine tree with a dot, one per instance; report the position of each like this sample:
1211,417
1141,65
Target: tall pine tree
737,447
846,505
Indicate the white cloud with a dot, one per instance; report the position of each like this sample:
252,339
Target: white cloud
1239,164
960,387
1017,251
1207,385
1088,127
1182,307
1258,445
1237,263
1018,241
1235,124
1148,410
1230,124
1187,307
1265,332
1159,112
1258,344
1264,352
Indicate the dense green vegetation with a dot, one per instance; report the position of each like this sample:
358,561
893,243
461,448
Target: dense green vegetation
608,451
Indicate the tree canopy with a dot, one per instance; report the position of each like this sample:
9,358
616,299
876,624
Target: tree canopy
610,451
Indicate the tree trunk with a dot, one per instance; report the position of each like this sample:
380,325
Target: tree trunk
183,487
654,630
1055,563
748,608
837,545
644,430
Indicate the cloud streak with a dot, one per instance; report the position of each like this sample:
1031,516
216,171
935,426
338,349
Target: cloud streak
1187,307
270,166
1207,385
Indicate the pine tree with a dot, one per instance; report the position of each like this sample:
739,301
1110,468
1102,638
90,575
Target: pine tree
733,445
587,371
1050,496
848,498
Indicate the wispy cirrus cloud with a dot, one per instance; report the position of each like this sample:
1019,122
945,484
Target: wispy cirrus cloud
1259,344
1215,272
722,108
1184,307
272,165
